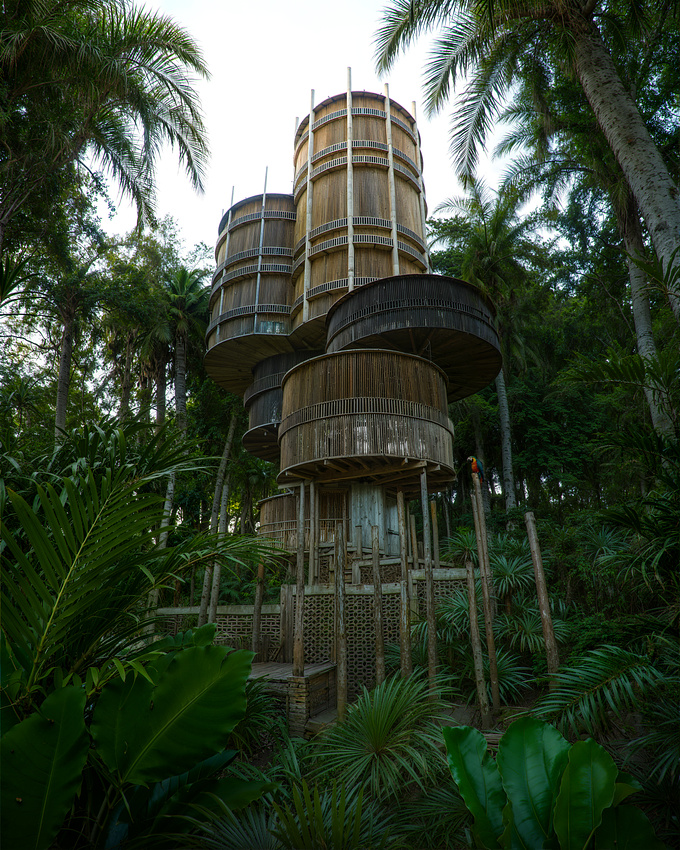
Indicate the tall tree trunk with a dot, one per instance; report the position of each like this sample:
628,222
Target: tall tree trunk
214,518
479,451
126,383
506,443
629,224
181,382
64,380
161,388
656,194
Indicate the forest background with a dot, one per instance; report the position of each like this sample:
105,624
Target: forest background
581,427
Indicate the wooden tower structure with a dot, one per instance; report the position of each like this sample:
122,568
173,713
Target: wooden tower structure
346,349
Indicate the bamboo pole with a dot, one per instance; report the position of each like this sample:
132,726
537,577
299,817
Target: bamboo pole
308,221
257,608
429,590
313,539
377,608
486,594
350,186
435,534
391,181
551,652
476,643
298,637
415,563
340,631
405,607
358,554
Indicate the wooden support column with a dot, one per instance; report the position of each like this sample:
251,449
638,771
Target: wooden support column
340,628
308,221
476,643
480,530
415,563
551,652
429,589
313,539
257,609
226,254
358,553
421,184
435,534
405,607
350,186
377,607
298,640
260,251
392,185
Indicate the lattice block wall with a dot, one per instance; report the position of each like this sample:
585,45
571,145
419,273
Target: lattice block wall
361,636
319,626
234,623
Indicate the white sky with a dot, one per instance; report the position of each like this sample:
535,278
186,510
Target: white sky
265,56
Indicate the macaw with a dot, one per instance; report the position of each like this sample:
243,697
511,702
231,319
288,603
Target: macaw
478,467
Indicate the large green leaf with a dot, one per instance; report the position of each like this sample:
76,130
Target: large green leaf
478,781
625,828
531,759
146,733
42,762
587,789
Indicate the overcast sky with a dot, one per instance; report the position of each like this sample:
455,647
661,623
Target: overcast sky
265,57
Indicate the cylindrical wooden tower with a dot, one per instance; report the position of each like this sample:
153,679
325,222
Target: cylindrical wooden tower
251,294
359,200
445,320
377,416
263,400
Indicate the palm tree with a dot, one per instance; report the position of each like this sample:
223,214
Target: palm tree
567,151
94,78
188,313
494,43
491,248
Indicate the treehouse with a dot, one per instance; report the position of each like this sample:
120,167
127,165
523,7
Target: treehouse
326,318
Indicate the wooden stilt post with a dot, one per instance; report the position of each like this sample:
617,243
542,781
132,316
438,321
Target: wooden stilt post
486,597
358,554
415,562
313,539
476,643
298,639
257,609
377,608
429,589
340,630
405,607
551,652
435,534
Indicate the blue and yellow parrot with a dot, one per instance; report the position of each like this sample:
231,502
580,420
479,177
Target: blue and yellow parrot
478,467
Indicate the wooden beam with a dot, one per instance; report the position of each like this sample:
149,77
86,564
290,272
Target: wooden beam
377,608
405,604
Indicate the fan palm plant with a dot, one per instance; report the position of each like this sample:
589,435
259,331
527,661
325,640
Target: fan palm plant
389,738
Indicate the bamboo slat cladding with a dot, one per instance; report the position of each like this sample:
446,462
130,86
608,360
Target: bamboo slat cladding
251,296
263,400
370,415
445,320
328,242
278,518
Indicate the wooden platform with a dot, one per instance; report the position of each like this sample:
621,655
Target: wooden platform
305,696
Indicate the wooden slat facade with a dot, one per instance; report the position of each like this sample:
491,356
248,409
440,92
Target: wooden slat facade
367,414
443,319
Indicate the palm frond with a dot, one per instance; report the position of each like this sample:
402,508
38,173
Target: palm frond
605,683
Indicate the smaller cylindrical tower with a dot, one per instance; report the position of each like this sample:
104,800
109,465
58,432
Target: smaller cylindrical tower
251,294
263,400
